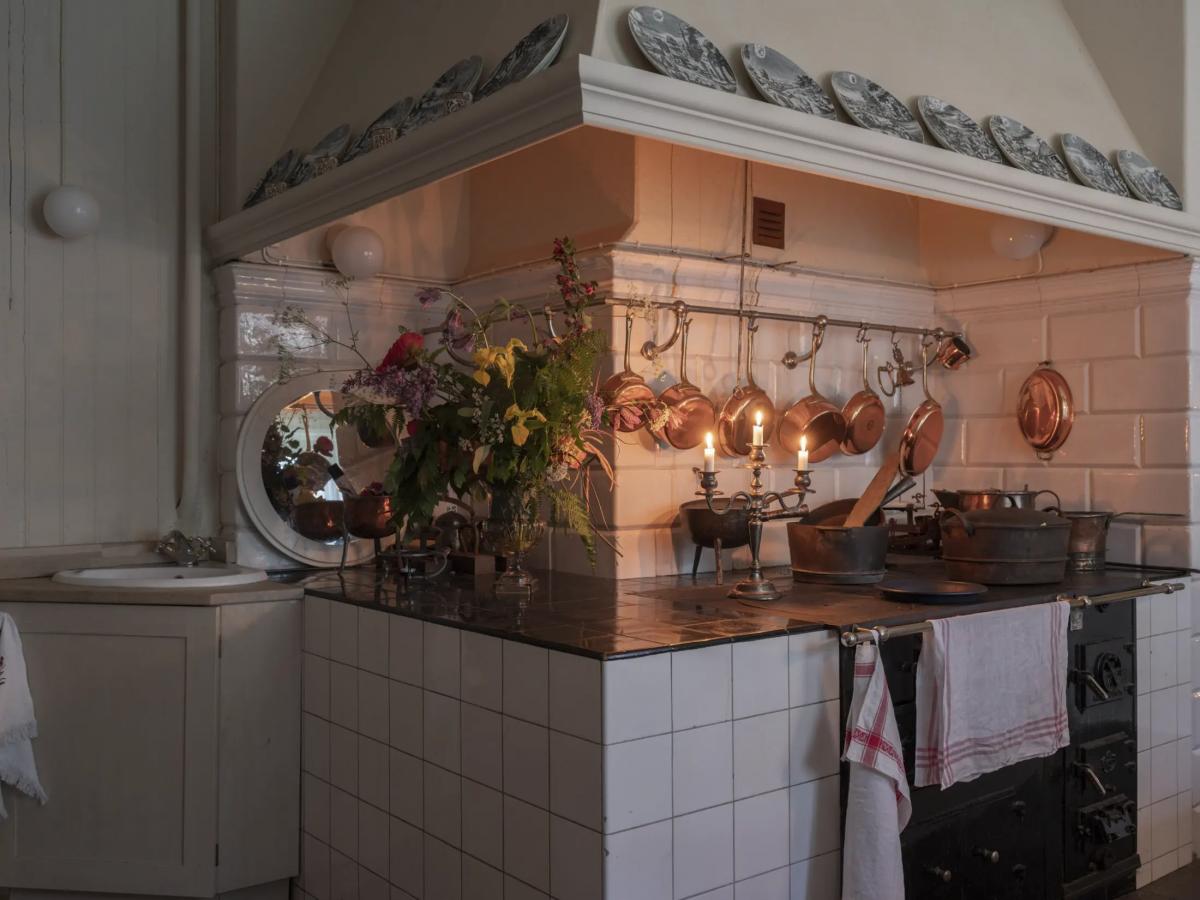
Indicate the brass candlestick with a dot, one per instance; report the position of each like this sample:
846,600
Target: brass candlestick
757,586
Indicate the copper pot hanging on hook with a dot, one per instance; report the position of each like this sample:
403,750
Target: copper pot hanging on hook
744,406
813,420
864,413
1045,411
626,393
689,413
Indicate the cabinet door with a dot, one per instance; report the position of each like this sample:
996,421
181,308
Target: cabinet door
126,707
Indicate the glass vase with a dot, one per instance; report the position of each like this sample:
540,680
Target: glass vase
514,527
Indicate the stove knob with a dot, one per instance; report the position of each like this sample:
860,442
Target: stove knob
992,856
1018,808
1019,871
944,875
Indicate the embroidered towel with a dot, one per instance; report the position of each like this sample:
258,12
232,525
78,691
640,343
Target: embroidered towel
877,801
991,691
18,726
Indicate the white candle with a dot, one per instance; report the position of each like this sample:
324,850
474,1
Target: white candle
710,454
757,440
802,455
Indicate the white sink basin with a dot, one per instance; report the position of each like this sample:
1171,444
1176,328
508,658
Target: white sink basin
205,575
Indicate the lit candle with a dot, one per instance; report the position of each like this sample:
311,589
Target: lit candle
710,454
758,430
802,455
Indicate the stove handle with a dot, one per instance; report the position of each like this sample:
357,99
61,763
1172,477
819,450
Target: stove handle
992,856
940,874
1095,779
1090,680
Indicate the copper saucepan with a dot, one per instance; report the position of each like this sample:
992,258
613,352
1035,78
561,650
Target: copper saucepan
923,434
864,412
813,419
626,392
690,414
745,404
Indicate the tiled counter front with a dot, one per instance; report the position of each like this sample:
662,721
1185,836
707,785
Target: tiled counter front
441,763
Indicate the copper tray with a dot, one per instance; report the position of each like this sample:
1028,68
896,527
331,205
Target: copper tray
1045,411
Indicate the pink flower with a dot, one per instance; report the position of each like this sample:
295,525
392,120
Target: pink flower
401,352
323,445
428,296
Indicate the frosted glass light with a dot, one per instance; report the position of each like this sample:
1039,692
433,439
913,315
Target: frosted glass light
1018,238
71,211
358,252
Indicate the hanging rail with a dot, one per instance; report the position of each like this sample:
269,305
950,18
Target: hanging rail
881,633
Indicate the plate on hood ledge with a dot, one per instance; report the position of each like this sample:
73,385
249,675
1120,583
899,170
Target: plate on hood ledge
784,83
1025,149
873,107
533,53
446,94
679,50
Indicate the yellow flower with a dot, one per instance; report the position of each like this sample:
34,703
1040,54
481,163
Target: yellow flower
520,417
482,377
502,358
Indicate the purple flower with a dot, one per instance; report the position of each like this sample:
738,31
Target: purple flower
411,389
427,296
595,407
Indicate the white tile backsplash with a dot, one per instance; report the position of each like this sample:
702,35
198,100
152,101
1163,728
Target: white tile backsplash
577,780
527,761
373,641
526,682
701,686
343,694
638,863
576,700
481,669
343,633
441,660
812,668
760,834
527,843
703,850
637,697
702,767
815,743
637,782
760,754
815,817
442,731
576,861
406,728
405,656
481,740
443,804
483,823
760,676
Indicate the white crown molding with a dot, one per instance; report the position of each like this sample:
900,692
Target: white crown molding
267,284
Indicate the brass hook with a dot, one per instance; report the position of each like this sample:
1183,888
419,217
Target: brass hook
651,350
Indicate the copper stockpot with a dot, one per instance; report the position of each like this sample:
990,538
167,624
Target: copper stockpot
835,554
864,413
1005,546
626,392
690,414
369,516
320,520
736,422
813,419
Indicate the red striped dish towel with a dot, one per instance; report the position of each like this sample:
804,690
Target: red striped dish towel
991,691
877,800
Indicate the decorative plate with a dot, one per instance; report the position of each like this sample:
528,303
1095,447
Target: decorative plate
1090,166
1147,181
871,106
323,156
955,130
460,78
784,83
534,52
383,130
274,180
678,50
1026,150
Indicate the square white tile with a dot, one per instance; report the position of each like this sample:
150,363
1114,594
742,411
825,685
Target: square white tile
1163,664
702,766
767,886
1143,722
1184,658
373,641
638,863
316,625
442,731
1142,620
481,745
527,761
442,664
443,804
314,751
760,676
481,683
315,867
1164,865
406,792
343,694
373,718
637,782
343,823
814,741
576,702
703,850
372,886
812,668
519,890
815,808
526,682
407,718
1185,819
343,759
483,823
343,633
577,780
701,686
1143,780
819,878
576,861
315,685
1163,773
315,796
1164,615
721,893
406,852
373,774
1164,716
443,870
373,838
343,877
1164,827
760,754
527,843
405,657
480,881
1142,674
760,829
637,697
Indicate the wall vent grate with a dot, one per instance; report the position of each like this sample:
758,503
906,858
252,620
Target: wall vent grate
769,221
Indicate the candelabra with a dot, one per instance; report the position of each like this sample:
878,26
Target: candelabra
757,586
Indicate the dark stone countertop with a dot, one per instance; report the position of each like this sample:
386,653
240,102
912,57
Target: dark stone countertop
603,618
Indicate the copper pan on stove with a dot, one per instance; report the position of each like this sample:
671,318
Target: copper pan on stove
626,393
689,413
923,433
747,402
813,419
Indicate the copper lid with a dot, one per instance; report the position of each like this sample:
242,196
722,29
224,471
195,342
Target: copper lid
1046,410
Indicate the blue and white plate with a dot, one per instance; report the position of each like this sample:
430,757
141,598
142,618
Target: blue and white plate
274,180
679,50
533,53
1147,181
1091,167
955,130
871,106
460,79
323,157
1025,150
784,83
383,130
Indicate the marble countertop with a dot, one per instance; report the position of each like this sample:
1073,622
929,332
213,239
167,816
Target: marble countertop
44,590
602,618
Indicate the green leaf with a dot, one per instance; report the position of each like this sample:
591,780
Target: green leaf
481,453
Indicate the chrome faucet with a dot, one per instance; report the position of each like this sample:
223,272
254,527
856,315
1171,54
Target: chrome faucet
184,550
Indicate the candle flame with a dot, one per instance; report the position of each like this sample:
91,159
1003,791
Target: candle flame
708,440
758,417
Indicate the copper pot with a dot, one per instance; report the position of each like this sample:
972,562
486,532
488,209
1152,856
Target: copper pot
745,405
864,413
993,498
1045,411
1005,546
320,520
813,419
953,353
626,392
1087,549
369,516
690,414
923,434
834,554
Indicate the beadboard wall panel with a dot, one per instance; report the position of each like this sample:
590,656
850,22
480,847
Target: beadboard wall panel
89,95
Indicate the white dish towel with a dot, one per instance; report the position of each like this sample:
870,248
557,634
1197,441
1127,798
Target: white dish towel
18,726
877,801
991,691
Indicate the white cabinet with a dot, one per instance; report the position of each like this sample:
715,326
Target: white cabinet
169,746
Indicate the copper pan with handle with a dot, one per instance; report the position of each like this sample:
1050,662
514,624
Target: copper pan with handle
864,412
813,419
923,433
689,413
626,393
744,406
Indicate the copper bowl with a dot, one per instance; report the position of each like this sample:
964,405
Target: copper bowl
320,520
706,527
369,516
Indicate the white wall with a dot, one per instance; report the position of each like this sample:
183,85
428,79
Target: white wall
89,94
